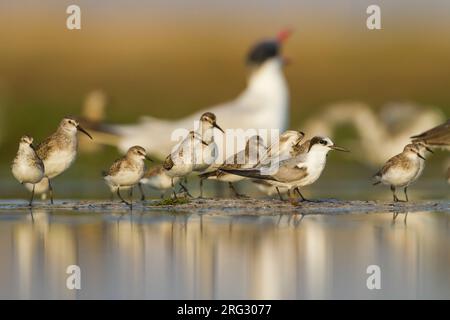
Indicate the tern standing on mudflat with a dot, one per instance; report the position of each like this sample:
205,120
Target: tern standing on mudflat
59,150
303,168
27,167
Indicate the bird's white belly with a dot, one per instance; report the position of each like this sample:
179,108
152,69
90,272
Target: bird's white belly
399,177
126,178
58,162
205,156
41,187
26,173
180,170
160,181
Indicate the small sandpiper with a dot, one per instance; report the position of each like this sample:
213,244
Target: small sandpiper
27,167
127,171
247,158
180,163
303,167
59,150
401,170
158,179
206,155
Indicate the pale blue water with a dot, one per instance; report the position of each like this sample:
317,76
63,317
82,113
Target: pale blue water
163,255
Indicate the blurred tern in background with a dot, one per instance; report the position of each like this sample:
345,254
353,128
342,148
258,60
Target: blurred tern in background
264,104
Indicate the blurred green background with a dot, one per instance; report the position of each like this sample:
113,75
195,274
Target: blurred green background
169,58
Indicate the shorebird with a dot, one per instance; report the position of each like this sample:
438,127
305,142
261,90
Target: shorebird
59,150
127,171
27,167
401,170
247,158
158,179
264,104
181,161
206,155
302,168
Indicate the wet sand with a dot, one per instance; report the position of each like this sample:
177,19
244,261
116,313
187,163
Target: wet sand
237,206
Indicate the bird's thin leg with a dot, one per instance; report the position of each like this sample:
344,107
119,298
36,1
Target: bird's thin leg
393,193
279,194
300,194
120,197
235,192
32,196
142,191
201,188
406,193
50,187
131,198
185,189
173,189
111,198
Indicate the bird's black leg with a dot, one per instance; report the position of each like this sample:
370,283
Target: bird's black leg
406,193
173,189
131,198
301,196
279,194
235,192
120,197
32,196
50,187
185,189
201,188
393,193
142,191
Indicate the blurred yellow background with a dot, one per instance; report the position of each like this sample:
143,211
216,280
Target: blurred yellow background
168,58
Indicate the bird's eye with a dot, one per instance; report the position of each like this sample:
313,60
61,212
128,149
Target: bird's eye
323,142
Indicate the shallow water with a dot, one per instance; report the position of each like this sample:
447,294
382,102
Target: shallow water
162,255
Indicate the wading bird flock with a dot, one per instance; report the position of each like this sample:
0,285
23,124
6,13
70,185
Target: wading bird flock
285,166
289,163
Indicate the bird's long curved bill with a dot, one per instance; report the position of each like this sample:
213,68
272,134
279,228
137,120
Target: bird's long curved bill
84,131
429,150
215,125
339,149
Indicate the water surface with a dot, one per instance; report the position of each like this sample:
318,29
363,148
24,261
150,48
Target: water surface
163,255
